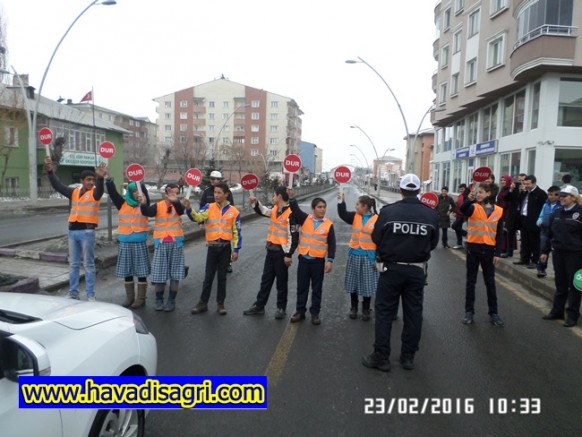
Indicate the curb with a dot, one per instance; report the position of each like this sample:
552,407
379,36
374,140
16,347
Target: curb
24,285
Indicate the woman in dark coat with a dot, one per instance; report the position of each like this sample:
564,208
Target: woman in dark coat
507,199
444,208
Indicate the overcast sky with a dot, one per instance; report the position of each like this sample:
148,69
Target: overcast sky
137,50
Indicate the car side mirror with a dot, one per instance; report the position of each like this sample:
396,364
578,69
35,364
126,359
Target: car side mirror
22,356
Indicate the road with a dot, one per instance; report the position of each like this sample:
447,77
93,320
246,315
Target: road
317,385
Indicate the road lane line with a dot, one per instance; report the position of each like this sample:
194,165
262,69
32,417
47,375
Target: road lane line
281,353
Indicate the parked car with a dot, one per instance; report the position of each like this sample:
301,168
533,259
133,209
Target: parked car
47,335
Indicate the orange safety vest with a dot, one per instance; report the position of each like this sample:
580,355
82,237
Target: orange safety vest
482,229
84,209
362,234
279,227
131,220
313,242
218,225
167,224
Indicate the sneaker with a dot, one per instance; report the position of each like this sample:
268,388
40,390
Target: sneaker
315,320
229,269
201,307
73,296
542,274
170,305
496,320
553,316
159,306
458,246
353,313
279,314
375,361
254,311
90,299
468,319
221,309
407,361
366,315
297,317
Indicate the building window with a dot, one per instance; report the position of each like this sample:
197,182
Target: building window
211,116
255,104
254,152
225,104
273,128
544,17
459,5
568,161
471,71
457,40
211,104
535,105
443,94
448,144
447,19
489,123
10,136
446,172
274,116
184,115
167,127
570,109
183,127
254,115
254,128
254,140
210,128
183,139
167,104
497,5
459,134
509,163
495,52
474,22
513,113
473,128
273,152
454,84
457,174
183,103
273,141
274,104
445,57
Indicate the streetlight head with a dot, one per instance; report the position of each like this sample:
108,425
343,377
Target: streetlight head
351,61
108,2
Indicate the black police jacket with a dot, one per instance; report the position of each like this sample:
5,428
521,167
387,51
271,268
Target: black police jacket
406,231
565,231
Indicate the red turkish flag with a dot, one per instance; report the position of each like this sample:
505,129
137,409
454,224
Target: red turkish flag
88,97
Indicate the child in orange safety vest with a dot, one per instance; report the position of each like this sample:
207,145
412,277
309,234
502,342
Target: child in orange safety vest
316,253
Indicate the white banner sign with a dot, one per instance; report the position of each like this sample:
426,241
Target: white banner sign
84,159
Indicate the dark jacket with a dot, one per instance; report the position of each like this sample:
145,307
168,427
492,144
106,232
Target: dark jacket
508,200
535,202
292,230
444,207
565,233
301,216
207,196
406,231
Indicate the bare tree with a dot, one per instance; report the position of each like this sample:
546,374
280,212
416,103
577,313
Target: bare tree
162,164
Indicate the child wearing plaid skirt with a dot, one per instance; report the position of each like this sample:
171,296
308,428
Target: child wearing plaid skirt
361,275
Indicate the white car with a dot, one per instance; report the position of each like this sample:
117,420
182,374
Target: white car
46,335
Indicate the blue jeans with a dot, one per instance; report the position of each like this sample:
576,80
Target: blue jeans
82,244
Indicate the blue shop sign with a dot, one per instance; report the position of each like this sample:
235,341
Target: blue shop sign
486,148
462,153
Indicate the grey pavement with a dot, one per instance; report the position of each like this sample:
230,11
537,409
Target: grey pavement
47,260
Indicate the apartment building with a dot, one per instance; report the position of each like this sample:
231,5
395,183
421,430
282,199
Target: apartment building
229,126
508,90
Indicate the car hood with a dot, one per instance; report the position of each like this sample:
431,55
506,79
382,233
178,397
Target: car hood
71,313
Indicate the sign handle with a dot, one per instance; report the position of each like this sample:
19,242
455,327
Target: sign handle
341,191
188,192
139,188
251,193
48,152
290,185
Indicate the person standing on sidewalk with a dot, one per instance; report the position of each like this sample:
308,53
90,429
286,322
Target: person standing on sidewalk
531,202
207,196
507,199
224,241
405,234
484,241
282,239
133,258
565,239
444,208
543,222
361,275
83,220
168,262
459,217
316,253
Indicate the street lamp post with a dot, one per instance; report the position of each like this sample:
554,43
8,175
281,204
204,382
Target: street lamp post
32,170
377,158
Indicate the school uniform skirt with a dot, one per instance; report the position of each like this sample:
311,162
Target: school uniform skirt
133,259
361,276
168,263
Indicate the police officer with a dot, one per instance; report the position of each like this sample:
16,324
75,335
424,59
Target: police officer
565,238
405,233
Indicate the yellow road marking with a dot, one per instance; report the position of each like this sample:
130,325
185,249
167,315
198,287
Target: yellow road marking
281,353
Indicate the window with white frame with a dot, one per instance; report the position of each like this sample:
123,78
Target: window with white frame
225,116
273,141
225,104
255,103
443,93
211,104
10,136
445,56
459,6
454,84
273,152
474,22
457,41
254,152
569,110
210,128
471,71
273,128
167,104
459,138
183,127
497,5
274,104
513,113
254,128
183,139
447,19
183,103
183,115
239,128
472,128
448,138
489,131
167,115
167,127
274,116
254,140
535,105
495,52
254,116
